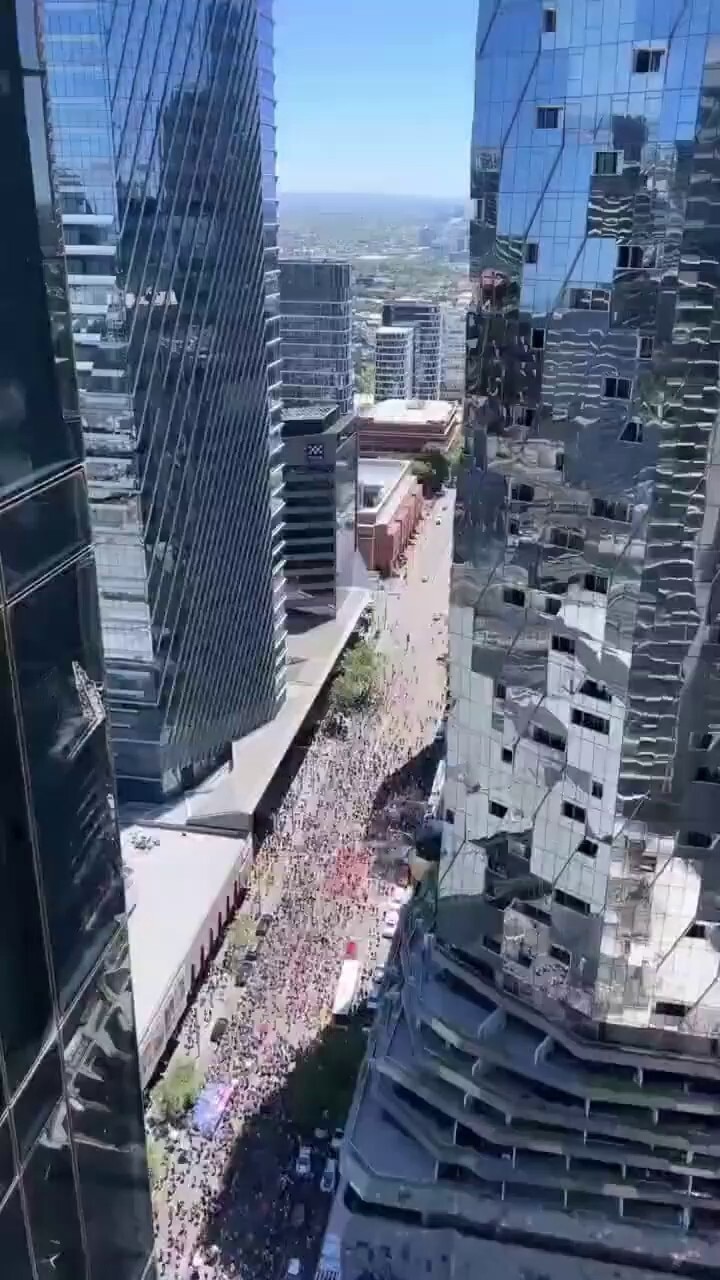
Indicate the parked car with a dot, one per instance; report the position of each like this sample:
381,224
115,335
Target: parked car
303,1164
293,1269
263,925
328,1182
337,1139
219,1029
378,975
390,923
372,1001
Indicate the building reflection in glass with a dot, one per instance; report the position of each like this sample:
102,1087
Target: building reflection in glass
163,119
74,1192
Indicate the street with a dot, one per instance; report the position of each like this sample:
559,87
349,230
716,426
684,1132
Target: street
228,1205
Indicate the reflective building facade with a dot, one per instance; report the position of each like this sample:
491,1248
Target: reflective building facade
425,319
551,1055
316,326
74,1193
163,121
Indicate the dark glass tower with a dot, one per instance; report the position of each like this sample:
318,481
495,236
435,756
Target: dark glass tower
316,327
552,1055
163,119
74,1194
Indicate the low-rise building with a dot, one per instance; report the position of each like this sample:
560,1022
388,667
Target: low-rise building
390,505
404,428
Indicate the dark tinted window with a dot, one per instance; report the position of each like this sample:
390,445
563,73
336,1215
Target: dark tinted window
52,1206
13,1241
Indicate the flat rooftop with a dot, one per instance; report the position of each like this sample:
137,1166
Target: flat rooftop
410,412
172,879
227,801
390,330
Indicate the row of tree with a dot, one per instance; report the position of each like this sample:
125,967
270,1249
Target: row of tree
357,682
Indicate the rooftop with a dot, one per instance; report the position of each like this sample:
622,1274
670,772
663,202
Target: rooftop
386,330
172,877
409,412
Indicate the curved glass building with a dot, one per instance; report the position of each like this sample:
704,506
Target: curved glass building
551,1057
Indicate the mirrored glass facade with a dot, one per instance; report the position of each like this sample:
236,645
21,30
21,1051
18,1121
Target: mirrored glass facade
163,121
551,1055
74,1193
316,325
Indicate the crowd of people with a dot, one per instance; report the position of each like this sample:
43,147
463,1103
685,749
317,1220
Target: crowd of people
218,1214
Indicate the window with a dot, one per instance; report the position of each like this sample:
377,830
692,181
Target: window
513,595
563,644
497,810
552,605
588,847
697,839
596,582
593,689
522,493
507,755
701,741
571,902
530,252
573,811
500,690
646,346
597,790
589,299
572,539
704,774
696,930
647,61
549,21
554,740
671,1008
492,944
632,432
606,163
559,459
522,416
587,720
560,953
537,339
629,255
548,118
617,510
617,389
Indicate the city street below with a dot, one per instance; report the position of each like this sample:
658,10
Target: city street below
233,1204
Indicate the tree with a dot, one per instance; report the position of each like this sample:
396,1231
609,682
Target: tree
358,678
157,1160
433,469
177,1091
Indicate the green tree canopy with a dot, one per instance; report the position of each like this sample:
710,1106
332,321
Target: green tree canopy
433,469
177,1091
358,678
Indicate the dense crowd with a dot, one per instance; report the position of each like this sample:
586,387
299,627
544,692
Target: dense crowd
322,863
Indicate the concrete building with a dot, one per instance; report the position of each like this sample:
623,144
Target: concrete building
543,1087
403,428
452,355
390,505
424,318
320,478
394,362
316,328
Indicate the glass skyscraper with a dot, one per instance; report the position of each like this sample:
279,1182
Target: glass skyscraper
547,1064
425,319
74,1193
316,327
163,121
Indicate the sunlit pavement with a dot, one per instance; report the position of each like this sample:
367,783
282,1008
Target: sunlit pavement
411,612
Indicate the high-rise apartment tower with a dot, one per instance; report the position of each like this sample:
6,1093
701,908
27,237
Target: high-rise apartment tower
316,326
394,362
425,320
552,1056
163,120
74,1191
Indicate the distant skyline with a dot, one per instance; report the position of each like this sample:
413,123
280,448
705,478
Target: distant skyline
375,96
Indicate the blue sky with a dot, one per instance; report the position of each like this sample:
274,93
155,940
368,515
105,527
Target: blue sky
375,95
